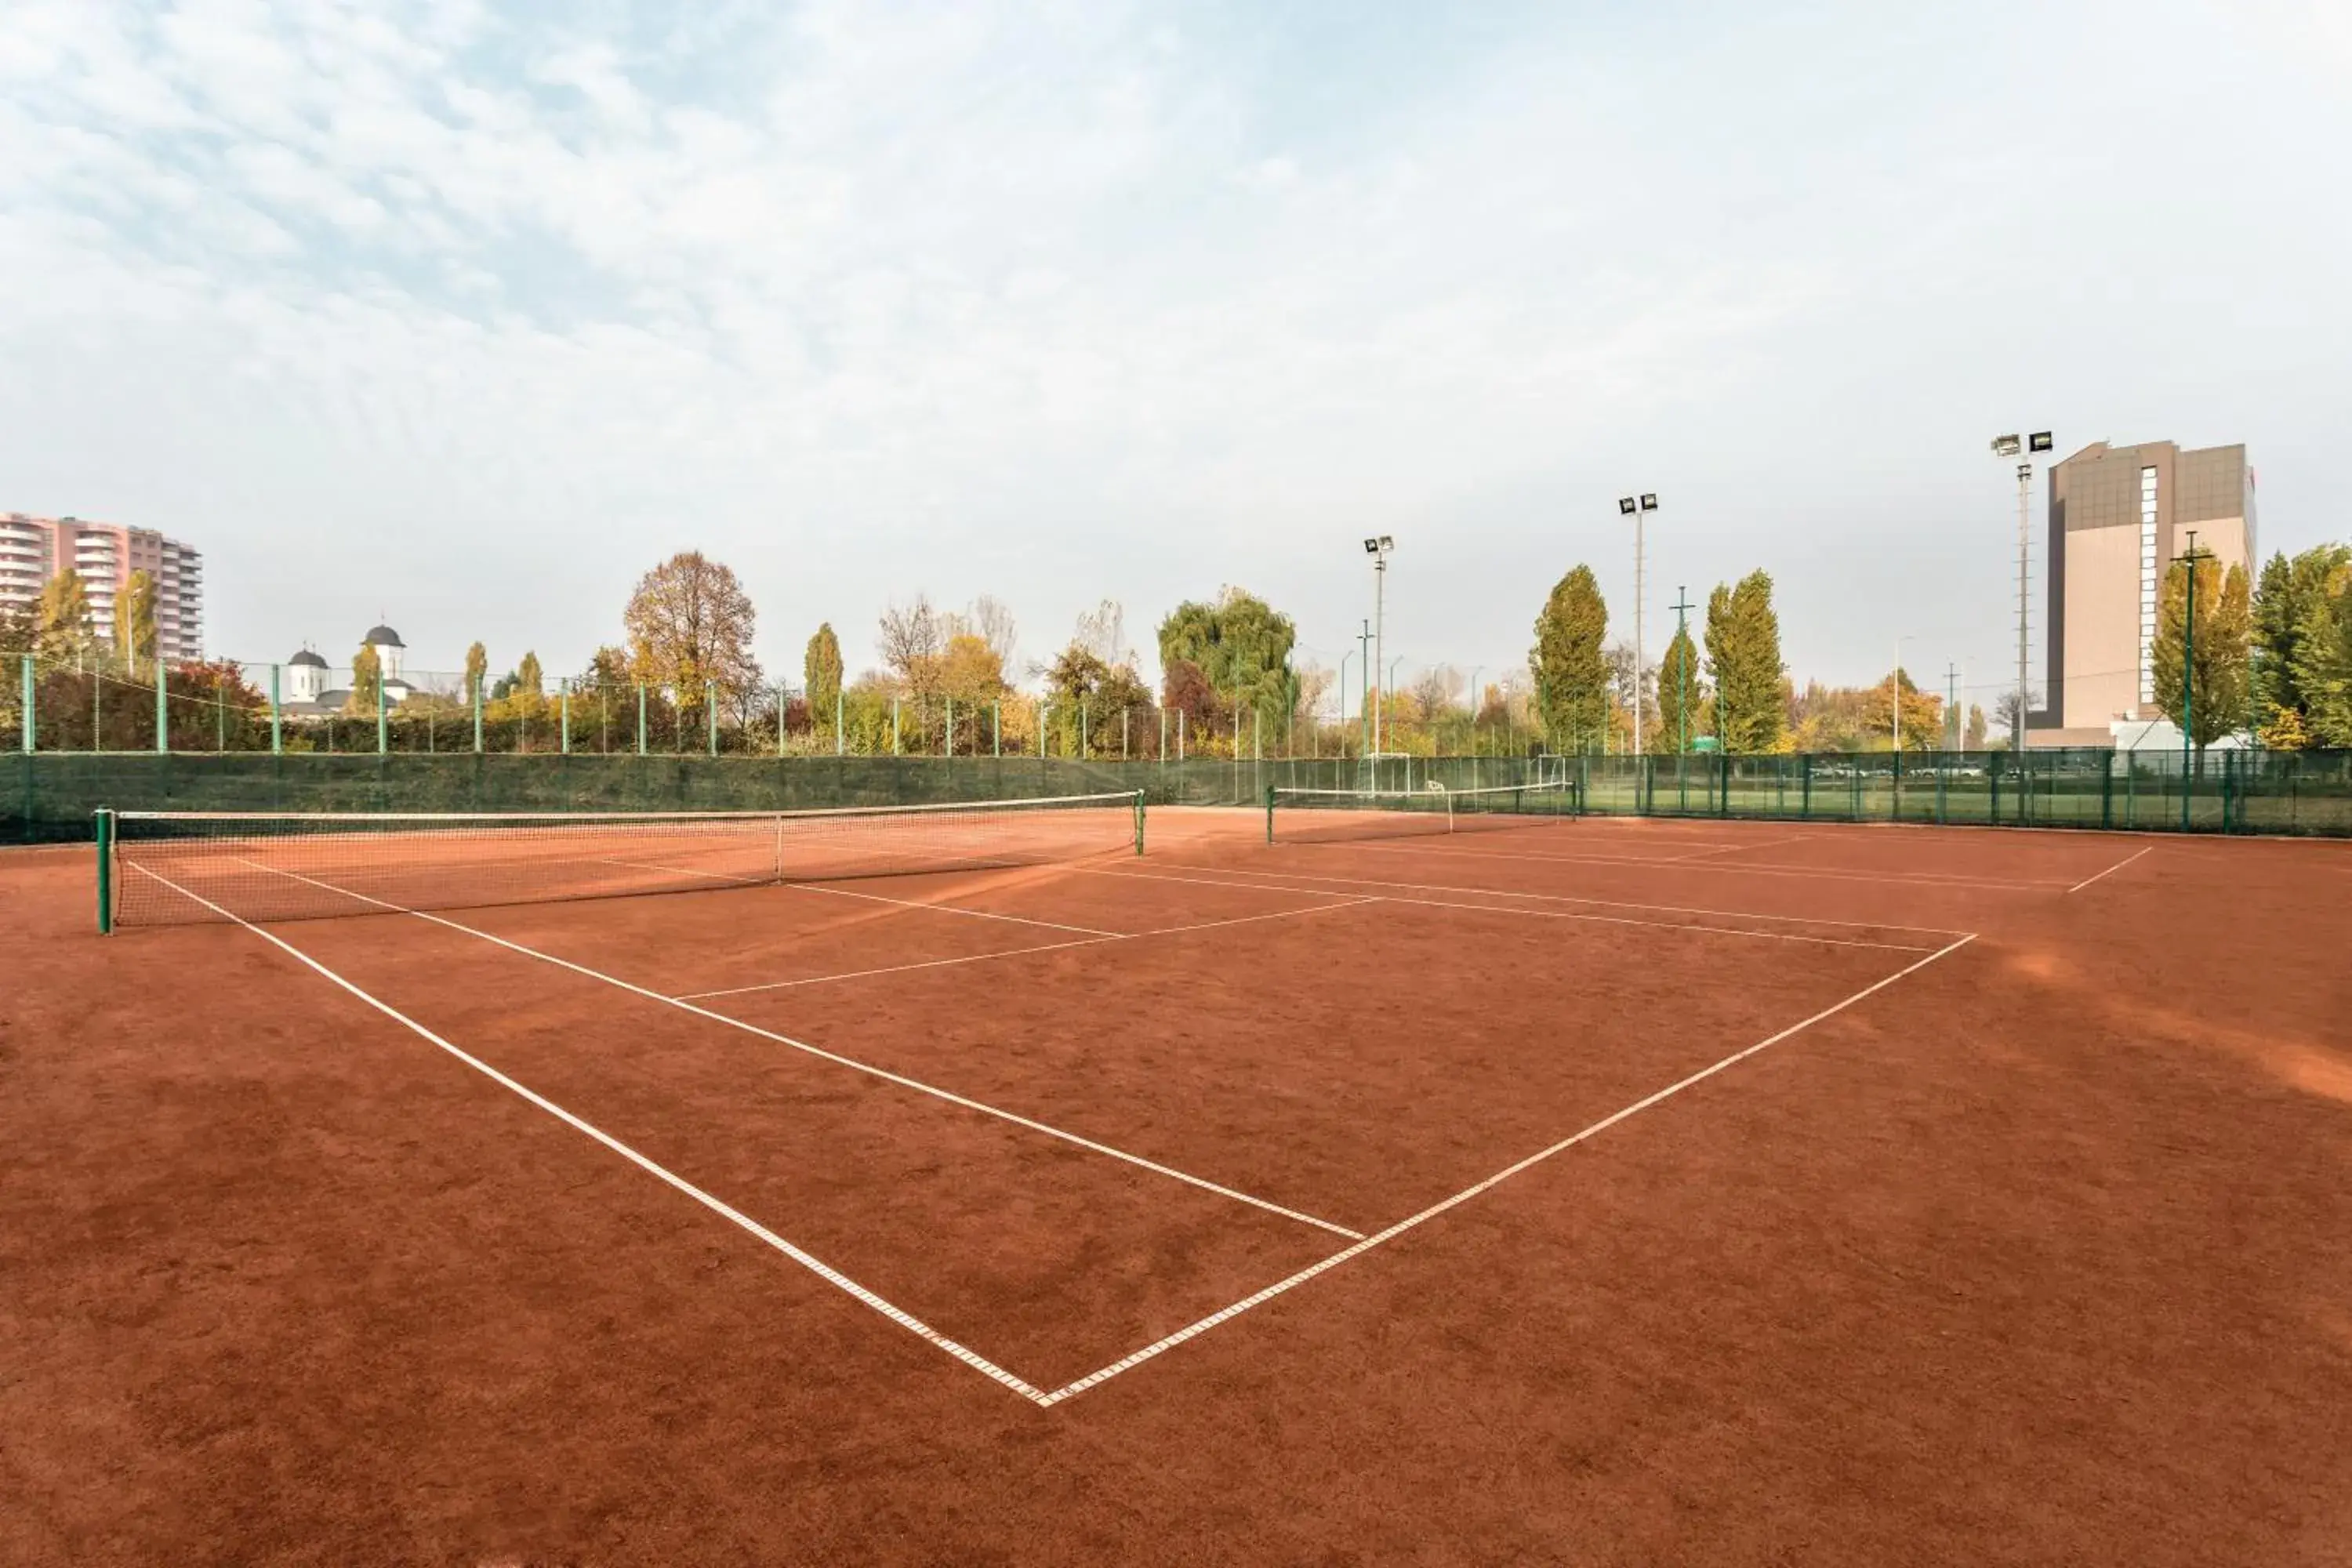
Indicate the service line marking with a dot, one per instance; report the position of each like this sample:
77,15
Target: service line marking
1893,878
733,1215
1559,914
1227,1314
901,1079
1046,947
1730,849
873,898
2110,870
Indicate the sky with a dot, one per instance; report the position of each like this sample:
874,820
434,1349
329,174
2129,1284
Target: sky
463,315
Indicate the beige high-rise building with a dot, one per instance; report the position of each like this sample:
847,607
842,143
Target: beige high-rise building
2119,516
35,549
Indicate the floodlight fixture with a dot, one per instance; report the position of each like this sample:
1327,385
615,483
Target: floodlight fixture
1648,503
1625,506
2006,446
2040,441
1387,543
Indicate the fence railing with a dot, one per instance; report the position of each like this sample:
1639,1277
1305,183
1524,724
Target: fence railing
52,795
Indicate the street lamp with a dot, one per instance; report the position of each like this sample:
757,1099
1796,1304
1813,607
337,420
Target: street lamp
2011,447
1378,549
1639,509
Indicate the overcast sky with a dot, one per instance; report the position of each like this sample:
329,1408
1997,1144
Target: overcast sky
466,314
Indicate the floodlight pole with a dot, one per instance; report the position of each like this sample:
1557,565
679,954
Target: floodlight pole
2024,489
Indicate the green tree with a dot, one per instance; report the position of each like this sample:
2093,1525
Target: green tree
1682,694
2220,681
2323,663
821,670
690,624
367,683
1743,650
2282,603
1241,645
477,665
61,625
135,618
1570,670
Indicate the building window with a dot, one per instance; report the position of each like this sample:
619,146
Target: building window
2146,586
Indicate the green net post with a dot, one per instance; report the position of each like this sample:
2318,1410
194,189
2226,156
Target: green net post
564,715
162,709
711,706
1138,821
28,741
105,836
641,720
276,717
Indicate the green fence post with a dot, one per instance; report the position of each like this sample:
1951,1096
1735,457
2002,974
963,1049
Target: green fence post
1122,734
277,717
780,721
30,732
1894,806
840,728
1992,776
1941,787
105,836
1723,791
950,746
383,716
564,715
641,720
996,728
711,705
2107,791
1042,709
1805,787
162,709
477,716
1163,736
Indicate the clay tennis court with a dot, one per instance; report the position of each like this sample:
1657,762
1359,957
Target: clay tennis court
1574,1189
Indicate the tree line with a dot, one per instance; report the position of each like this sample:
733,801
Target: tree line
2273,657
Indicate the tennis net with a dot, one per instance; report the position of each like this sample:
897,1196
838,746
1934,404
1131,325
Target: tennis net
1307,815
162,867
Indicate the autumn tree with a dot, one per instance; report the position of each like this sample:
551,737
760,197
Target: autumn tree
2218,681
1570,671
1743,652
1241,647
1923,714
62,625
134,619
478,668
1185,689
367,683
821,670
1972,739
910,640
689,625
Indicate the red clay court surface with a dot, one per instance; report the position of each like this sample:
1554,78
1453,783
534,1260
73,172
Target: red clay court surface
1593,1191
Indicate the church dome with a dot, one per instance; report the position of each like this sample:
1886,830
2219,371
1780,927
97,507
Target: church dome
382,636
307,660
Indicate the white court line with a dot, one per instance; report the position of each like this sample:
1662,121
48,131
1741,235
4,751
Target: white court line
1042,947
884,1073
1733,848
1227,1314
875,898
1908,879
2110,870
1559,899
809,1261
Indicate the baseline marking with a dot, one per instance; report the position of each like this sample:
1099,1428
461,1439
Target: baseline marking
884,1073
1227,1314
2110,870
807,1260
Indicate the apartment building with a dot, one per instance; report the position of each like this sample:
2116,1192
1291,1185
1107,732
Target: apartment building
2118,517
104,554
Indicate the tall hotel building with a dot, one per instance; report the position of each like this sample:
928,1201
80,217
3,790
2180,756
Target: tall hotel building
2119,516
35,549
